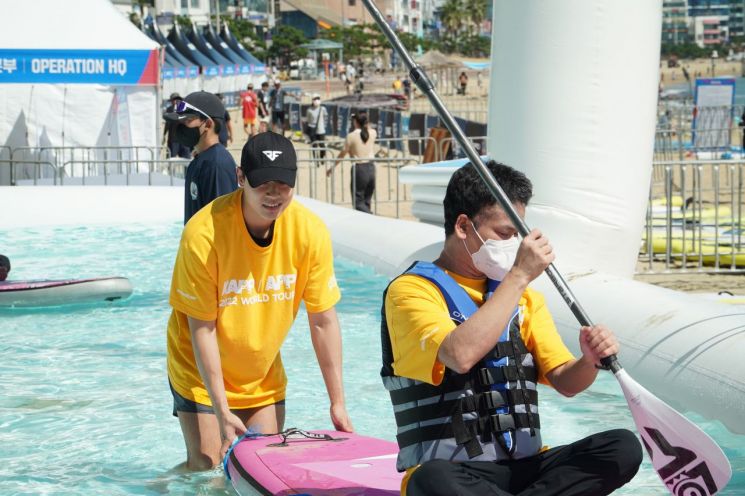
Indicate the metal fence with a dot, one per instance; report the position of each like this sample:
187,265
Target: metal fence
695,217
333,181
73,161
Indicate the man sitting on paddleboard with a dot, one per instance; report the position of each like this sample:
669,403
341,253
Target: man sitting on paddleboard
464,343
244,264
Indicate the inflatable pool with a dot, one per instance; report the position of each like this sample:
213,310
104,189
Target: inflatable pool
314,463
63,292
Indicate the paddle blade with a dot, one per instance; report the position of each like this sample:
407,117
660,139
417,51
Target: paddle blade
687,460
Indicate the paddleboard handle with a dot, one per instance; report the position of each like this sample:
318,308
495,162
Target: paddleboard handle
294,431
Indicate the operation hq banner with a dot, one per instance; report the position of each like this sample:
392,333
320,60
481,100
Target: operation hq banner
112,67
713,112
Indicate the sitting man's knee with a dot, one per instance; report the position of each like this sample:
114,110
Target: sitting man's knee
629,451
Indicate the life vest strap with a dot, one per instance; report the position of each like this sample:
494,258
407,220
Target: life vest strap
480,402
507,349
495,424
509,422
497,375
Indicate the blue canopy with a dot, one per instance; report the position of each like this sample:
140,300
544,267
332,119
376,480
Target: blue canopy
198,40
233,43
188,50
225,50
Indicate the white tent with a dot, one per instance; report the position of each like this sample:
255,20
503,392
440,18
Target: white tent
75,74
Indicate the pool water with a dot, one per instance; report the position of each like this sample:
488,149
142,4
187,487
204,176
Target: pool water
84,400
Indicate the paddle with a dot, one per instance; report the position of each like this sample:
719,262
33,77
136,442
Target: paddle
687,460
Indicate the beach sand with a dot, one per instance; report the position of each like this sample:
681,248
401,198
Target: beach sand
698,68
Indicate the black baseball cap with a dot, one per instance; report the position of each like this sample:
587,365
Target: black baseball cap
268,157
199,103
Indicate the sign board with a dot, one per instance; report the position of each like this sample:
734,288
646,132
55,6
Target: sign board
713,113
117,67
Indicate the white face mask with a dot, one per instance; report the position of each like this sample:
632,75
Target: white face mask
495,257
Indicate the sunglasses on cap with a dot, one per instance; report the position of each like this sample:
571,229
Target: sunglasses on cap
184,106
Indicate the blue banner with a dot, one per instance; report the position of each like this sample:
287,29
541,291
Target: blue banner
295,116
120,67
396,131
342,121
382,116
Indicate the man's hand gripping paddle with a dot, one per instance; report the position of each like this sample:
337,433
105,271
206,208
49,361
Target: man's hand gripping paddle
687,460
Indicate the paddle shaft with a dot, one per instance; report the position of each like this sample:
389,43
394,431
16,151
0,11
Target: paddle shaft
420,78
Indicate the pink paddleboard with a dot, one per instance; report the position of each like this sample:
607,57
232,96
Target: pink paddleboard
342,464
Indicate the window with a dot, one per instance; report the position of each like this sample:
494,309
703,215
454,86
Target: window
194,4
184,4
352,3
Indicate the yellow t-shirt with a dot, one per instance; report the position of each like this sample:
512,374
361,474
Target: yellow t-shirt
252,292
418,322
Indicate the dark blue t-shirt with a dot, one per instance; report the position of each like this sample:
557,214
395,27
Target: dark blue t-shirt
209,175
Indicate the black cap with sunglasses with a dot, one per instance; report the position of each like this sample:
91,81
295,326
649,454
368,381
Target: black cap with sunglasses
200,103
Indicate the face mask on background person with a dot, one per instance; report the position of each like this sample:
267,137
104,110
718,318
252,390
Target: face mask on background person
187,136
495,257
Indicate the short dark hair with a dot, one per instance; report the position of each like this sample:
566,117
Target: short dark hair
219,124
5,262
467,193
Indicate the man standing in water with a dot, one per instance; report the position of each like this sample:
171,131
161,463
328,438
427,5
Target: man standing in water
465,342
199,118
244,264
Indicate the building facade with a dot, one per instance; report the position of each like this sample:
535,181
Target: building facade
675,22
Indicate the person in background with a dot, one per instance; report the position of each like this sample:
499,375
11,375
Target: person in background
407,89
360,144
243,267
175,149
359,85
315,118
463,81
263,127
226,131
212,172
263,102
277,106
465,342
397,85
249,104
4,267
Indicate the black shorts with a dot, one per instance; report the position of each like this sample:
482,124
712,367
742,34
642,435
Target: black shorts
181,404
278,116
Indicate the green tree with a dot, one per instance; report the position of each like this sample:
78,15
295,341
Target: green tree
358,40
453,16
476,11
286,44
184,22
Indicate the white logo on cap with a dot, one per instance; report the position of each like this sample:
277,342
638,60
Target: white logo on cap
272,154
